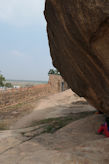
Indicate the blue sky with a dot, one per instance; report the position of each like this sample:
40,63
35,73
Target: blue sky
24,51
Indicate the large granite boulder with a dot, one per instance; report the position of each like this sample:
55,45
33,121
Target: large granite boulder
78,33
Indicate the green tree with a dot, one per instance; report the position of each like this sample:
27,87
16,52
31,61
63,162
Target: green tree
57,72
2,80
54,72
8,85
51,71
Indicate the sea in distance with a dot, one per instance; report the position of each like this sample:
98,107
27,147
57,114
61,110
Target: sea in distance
25,83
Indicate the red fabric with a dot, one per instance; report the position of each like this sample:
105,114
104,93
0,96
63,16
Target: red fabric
101,129
104,130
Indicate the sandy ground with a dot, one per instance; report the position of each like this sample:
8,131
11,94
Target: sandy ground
57,105
75,143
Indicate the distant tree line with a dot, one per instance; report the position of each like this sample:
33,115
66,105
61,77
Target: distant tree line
54,72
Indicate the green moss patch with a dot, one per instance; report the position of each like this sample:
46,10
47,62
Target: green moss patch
51,125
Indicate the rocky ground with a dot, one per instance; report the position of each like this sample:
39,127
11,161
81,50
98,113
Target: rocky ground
62,129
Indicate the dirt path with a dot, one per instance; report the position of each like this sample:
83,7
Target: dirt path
76,142
57,105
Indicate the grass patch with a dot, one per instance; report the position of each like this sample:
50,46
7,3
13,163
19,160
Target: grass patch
51,125
15,106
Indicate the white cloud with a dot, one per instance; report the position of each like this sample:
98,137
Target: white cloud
16,53
22,12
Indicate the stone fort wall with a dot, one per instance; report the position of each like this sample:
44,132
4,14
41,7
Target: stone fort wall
57,83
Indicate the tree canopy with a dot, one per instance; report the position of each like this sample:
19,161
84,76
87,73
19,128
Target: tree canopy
8,85
54,72
2,80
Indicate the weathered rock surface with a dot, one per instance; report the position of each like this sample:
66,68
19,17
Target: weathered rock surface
62,147
78,32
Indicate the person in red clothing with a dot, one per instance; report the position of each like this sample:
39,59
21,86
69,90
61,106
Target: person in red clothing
104,128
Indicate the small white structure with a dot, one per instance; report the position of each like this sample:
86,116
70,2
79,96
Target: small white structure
16,86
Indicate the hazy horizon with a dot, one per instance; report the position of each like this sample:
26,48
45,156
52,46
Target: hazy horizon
24,49
27,80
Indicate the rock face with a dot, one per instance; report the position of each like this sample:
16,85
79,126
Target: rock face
78,32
